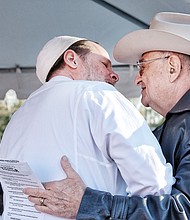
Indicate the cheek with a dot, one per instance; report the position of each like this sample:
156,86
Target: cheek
101,72
152,86
156,91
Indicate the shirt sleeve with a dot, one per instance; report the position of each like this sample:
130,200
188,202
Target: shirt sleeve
124,137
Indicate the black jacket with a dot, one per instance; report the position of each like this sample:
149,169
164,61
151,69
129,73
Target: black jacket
174,138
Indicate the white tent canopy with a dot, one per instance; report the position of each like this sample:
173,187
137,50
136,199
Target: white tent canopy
27,24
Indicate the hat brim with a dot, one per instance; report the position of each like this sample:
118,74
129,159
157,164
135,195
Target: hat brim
130,48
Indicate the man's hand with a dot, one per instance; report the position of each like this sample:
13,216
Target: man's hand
59,198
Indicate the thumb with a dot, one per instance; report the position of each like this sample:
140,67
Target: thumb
70,172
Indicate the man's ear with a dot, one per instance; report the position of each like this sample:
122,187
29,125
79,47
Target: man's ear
174,67
71,58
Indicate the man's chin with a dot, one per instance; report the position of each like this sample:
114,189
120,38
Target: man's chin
144,102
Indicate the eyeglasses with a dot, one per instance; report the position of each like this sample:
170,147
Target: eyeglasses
140,63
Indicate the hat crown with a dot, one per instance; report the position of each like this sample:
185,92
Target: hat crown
50,52
168,31
174,23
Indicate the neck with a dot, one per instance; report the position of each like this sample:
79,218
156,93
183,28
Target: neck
63,72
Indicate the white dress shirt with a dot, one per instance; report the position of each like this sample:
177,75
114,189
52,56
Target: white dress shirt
104,136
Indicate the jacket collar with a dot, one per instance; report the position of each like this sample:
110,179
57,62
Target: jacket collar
182,105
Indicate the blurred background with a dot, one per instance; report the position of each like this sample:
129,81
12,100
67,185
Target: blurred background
26,25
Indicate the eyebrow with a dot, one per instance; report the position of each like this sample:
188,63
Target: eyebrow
106,60
142,60
109,61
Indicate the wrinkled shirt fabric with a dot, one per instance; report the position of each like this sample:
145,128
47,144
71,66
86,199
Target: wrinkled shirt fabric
104,136
174,137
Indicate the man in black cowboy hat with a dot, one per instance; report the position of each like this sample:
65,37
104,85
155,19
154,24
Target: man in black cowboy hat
162,53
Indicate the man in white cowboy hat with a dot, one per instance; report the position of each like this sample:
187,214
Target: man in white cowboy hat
99,130
162,53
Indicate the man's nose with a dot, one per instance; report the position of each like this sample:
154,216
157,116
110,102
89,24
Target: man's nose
114,76
138,79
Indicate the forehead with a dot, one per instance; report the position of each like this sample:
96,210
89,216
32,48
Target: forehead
151,54
99,50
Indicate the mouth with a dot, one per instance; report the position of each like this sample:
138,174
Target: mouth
143,88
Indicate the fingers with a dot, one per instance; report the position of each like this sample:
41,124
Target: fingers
45,209
70,172
35,192
39,201
56,210
54,204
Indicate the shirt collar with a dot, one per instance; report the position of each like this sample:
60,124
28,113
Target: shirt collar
60,78
182,105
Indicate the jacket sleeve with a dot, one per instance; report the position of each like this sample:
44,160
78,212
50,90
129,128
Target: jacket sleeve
102,205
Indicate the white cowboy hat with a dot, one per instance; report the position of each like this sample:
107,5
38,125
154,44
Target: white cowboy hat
168,32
